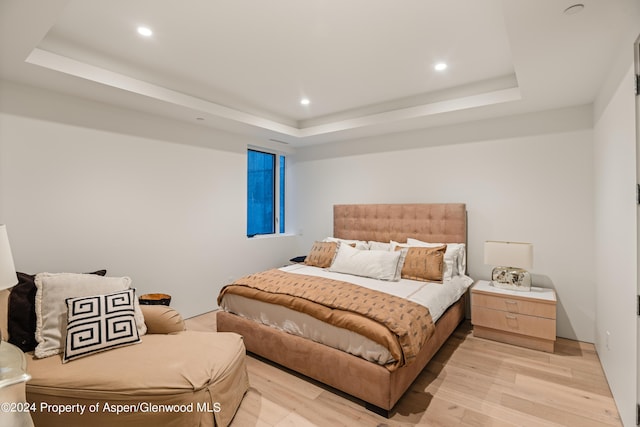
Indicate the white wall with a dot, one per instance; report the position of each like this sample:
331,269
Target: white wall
616,241
536,188
85,186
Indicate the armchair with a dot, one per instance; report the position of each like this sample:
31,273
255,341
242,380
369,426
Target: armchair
174,377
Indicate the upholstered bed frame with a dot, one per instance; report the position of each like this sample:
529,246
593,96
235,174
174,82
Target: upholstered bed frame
373,383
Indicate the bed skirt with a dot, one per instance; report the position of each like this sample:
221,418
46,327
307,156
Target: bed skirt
353,375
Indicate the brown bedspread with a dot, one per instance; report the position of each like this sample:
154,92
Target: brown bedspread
400,325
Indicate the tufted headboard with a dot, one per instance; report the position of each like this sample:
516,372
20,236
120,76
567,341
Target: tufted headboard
430,222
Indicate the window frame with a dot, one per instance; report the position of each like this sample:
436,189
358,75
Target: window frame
279,192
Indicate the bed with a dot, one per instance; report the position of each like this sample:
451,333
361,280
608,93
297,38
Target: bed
378,378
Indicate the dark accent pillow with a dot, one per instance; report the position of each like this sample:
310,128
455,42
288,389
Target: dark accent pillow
21,319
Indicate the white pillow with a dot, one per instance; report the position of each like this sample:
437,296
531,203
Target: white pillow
51,308
380,265
359,244
379,246
457,251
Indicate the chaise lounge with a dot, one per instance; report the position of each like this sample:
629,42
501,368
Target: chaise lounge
173,377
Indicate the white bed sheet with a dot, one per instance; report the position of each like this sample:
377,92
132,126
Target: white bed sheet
435,296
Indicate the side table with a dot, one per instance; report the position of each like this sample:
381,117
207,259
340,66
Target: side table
155,299
527,319
14,411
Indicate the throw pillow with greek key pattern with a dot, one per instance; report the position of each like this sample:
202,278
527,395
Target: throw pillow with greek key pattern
99,323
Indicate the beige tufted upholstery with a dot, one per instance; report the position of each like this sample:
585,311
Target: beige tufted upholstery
442,223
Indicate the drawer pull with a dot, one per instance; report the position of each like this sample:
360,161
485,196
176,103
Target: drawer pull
510,317
511,306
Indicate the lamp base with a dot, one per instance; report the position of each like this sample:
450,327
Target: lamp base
515,279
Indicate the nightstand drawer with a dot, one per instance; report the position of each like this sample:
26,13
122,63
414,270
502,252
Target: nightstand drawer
514,305
516,323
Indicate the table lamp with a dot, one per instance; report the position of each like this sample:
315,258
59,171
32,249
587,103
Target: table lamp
511,261
8,277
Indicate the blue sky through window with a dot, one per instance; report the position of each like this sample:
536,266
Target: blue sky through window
261,193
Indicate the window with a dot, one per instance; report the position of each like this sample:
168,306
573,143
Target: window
265,193
281,194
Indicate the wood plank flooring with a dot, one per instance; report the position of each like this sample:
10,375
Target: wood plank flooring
470,382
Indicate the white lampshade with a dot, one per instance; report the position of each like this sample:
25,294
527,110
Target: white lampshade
508,254
8,276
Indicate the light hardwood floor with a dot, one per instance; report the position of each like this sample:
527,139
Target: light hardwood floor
470,382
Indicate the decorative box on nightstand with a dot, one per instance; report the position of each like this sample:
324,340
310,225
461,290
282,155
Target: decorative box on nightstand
527,319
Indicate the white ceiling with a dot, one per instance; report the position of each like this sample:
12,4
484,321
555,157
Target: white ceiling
365,65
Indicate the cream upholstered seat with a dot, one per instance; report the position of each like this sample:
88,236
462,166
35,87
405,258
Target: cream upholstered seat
173,377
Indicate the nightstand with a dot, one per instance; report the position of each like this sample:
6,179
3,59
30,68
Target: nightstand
13,375
526,319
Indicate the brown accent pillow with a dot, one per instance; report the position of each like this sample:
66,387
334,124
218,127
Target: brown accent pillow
21,319
322,254
424,264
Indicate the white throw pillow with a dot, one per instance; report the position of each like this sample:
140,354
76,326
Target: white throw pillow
359,244
375,264
379,246
51,308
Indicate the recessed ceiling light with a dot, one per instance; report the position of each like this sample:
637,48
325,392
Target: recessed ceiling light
145,31
305,101
573,9
440,66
